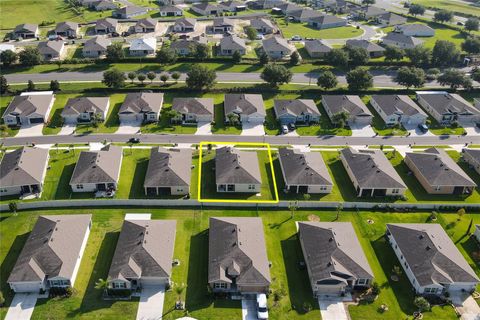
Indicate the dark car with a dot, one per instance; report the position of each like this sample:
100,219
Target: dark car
477,125
133,140
291,126
115,34
423,127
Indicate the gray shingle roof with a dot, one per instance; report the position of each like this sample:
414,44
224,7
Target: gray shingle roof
244,103
23,166
144,249
295,107
131,10
261,22
397,104
305,14
29,104
147,22
401,38
473,153
303,168
325,19
233,42
106,23
51,47
430,253
233,166
392,18
365,44
438,169
169,168
98,43
26,27
197,106
101,166
170,9
205,6
317,45
237,245
414,27
220,22
372,169
445,103
188,44
142,102
79,105
52,248
186,22
276,43
65,26
353,105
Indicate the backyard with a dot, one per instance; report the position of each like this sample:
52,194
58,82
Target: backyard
291,29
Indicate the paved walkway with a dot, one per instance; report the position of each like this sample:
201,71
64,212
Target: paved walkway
251,129
332,308
466,306
32,130
67,129
249,310
22,306
150,306
204,128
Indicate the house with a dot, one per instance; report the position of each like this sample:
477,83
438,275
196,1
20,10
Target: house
223,25
96,47
263,25
129,12
400,40
326,22
472,157
99,5
237,171
143,255
248,107
335,261
263,4
194,110
430,259
237,256
169,172
97,170
438,173
29,108
302,111
415,30
231,44
367,13
67,29
85,109
390,19
277,47
232,6
146,25
356,111
52,49
173,2
185,25
373,49
339,6
143,46
287,7
51,256
447,108
206,8
141,107
26,31
105,26
304,15
22,171
371,173
187,47
304,172
170,11
398,109
317,48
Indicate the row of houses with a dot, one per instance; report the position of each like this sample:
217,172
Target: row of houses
237,256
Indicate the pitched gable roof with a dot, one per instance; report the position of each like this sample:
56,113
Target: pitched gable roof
233,166
142,102
317,45
401,38
276,43
51,47
79,105
147,22
186,22
101,166
106,23
244,103
350,104
303,168
295,107
98,43
365,44
445,103
198,106
169,168
397,104
28,104
23,166
65,26
233,41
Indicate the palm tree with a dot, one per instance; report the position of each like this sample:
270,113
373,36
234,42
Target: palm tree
293,206
102,284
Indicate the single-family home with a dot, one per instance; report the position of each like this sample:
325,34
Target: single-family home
371,173
472,157
430,260
335,261
326,22
26,31
187,47
415,30
298,111
237,256
263,25
287,7
29,108
317,48
277,47
390,19
128,12
97,170
185,25
144,254
96,47
99,5
438,173
146,25
366,12
51,256
141,107
263,4
373,49
304,172
51,49
106,25
223,25
398,109
248,107
232,6
143,46
168,172
304,15
170,11
67,29
231,44
356,111
448,107
237,171
206,8
22,171
400,40
85,109
194,110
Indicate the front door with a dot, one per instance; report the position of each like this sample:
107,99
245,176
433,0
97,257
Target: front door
25,189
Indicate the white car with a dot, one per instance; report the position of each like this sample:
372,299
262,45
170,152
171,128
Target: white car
296,38
259,36
262,311
284,129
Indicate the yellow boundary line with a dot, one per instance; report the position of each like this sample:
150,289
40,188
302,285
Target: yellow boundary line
200,155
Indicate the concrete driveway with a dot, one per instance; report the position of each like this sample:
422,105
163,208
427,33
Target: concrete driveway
67,129
252,129
415,132
466,306
22,306
249,309
204,128
150,306
362,131
332,308
129,127
31,130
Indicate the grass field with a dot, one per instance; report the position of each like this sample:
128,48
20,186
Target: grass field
452,5
305,31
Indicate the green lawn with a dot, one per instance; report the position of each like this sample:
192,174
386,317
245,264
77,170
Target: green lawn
6,131
111,123
379,125
452,5
305,31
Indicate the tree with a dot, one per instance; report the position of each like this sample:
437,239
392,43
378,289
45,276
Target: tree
202,51
416,9
236,57
102,284
30,56
275,74
337,58
340,119
327,80
368,2
443,16
359,79
233,118
471,45
132,76
472,24
2,299
54,85
422,304
357,56
141,77
115,52
8,57
394,53
475,74
96,119
419,56
176,76
3,85
13,207
263,59
114,78
251,33
461,212
294,58
445,54
166,56
292,206
454,78
30,86
170,114
199,77
151,76
410,77
164,78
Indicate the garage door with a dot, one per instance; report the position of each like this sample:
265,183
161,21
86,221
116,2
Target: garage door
153,282
26,287
36,120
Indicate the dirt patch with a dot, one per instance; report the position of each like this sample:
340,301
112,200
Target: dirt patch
313,218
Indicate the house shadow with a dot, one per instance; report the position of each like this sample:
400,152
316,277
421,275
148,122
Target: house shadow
472,248
56,119
63,188
136,190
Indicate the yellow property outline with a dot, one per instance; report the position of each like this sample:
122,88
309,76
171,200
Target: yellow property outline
267,145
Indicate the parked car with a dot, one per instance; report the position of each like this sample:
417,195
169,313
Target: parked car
133,140
296,38
262,311
291,126
423,128
259,36
477,125
284,129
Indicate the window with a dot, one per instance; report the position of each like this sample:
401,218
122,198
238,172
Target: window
395,191
251,187
430,290
79,186
437,188
220,285
119,285
362,282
